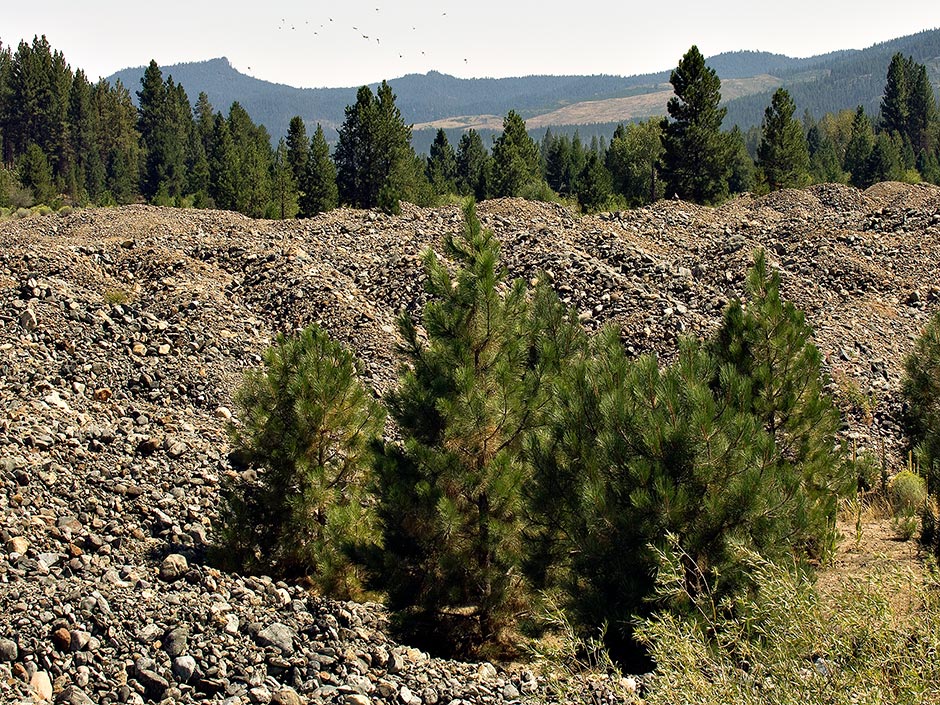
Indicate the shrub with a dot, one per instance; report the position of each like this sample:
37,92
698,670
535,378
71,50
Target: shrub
307,424
779,643
117,296
733,442
908,492
22,213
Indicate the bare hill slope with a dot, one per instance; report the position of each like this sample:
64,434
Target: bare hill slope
125,332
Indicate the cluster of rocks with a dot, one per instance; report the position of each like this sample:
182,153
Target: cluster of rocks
126,331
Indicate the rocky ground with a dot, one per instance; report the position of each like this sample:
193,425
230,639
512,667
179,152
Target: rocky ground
125,332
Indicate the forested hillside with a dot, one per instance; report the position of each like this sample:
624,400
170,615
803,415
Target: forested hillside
821,84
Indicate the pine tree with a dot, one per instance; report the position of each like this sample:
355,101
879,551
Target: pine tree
695,159
733,442
894,104
204,115
908,108
88,166
442,165
557,151
165,126
119,141
769,346
824,163
298,147
36,174
593,186
922,112
515,157
474,389
223,166
743,176
308,424
474,166
318,188
886,162
782,155
374,151
252,155
284,194
152,99
859,149
920,389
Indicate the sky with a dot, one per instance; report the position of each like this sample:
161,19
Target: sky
308,43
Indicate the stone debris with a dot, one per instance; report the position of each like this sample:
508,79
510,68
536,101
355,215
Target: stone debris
118,365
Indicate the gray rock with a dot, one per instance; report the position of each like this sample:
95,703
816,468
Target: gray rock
184,667
8,650
28,319
155,684
261,695
173,567
396,662
175,642
73,695
149,634
80,639
510,692
278,635
287,696
406,697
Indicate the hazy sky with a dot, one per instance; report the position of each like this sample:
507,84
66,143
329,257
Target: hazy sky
304,43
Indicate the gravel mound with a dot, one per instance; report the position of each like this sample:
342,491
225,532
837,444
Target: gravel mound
125,332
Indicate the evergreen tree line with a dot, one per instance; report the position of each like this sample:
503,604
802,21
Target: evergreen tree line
533,460
60,135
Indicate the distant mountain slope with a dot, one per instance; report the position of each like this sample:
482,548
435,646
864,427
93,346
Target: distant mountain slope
825,83
841,80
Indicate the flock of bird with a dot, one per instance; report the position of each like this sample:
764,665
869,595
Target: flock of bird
324,27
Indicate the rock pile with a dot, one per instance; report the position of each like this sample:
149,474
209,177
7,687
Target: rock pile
125,332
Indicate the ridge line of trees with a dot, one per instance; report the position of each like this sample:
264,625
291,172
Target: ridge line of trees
65,140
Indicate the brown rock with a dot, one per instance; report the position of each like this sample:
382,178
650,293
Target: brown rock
17,544
287,696
62,639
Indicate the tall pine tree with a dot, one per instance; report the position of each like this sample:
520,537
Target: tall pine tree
516,159
318,187
695,156
451,492
782,155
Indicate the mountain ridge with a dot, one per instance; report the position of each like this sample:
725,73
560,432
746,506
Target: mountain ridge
822,83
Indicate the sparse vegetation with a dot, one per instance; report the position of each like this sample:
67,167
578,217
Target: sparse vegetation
116,296
778,642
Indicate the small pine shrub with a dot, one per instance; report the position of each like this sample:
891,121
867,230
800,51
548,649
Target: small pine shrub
65,210
908,495
307,426
21,213
42,210
920,389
